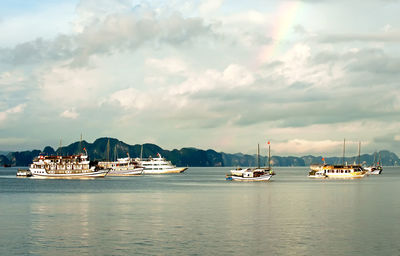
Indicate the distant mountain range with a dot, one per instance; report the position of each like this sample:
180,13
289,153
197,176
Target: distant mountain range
183,157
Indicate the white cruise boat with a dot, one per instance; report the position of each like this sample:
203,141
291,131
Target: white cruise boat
159,165
67,167
122,167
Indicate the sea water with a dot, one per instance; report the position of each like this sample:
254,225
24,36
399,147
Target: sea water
200,213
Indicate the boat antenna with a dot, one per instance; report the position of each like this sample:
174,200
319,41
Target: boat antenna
141,152
269,155
344,149
258,157
359,153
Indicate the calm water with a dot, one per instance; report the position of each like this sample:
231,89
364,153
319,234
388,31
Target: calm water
199,213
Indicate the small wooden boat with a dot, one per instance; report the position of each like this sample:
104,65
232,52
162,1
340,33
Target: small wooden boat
23,173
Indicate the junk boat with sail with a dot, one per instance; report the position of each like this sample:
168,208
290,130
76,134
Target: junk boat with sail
255,174
122,167
376,167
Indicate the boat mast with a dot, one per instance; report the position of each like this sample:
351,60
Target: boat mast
115,153
359,153
108,150
379,163
374,164
59,151
269,155
344,149
80,144
141,152
258,157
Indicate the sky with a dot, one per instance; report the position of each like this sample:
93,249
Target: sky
212,74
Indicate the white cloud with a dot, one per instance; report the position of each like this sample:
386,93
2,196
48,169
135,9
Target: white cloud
166,65
236,75
300,146
70,113
131,99
10,113
209,6
8,78
66,86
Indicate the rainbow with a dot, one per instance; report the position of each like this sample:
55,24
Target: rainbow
284,18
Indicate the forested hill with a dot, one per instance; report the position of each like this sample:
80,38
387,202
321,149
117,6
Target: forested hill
183,157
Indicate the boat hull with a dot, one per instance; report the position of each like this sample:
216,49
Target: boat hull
128,172
317,176
376,172
165,171
260,178
81,175
347,176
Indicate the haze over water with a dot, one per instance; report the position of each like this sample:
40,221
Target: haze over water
199,213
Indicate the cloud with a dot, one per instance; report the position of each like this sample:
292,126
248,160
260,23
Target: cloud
70,114
12,141
301,146
168,65
119,31
127,31
392,37
10,113
209,6
132,99
237,75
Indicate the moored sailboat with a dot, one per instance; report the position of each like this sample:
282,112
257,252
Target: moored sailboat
255,174
376,167
122,167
